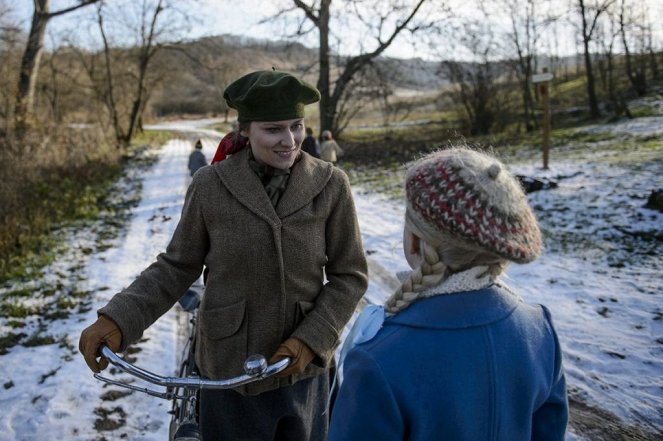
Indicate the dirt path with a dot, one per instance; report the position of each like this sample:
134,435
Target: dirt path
592,423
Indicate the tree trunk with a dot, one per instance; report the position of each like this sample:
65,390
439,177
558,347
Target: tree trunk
330,100
110,89
653,64
30,66
637,78
591,88
327,111
137,104
31,58
528,101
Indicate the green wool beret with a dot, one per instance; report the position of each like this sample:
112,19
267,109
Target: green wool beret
268,95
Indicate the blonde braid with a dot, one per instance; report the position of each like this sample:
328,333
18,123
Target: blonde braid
430,273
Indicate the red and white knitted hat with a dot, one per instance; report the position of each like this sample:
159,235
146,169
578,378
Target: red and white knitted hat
471,196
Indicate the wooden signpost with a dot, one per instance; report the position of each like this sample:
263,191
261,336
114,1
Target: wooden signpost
543,80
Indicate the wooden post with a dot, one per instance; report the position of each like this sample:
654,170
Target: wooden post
544,82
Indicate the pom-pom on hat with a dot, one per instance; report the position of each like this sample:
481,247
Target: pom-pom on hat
270,96
470,196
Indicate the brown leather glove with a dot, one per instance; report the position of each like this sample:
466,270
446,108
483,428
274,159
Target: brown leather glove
104,330
300,356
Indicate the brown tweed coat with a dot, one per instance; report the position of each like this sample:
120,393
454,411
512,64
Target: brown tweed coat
267,267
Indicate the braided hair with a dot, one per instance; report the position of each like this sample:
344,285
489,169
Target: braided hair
452,256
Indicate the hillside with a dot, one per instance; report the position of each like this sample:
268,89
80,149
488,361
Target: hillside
205,66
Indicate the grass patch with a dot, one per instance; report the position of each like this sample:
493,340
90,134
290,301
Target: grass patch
152,138
15,310
57,196
29,239
9,340
113,395
65,303
19,293
56,315
643,111
109,419
39,340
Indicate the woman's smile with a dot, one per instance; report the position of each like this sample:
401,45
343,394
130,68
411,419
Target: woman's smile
276,143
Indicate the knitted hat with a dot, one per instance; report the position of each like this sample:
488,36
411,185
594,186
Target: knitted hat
270,96
471,196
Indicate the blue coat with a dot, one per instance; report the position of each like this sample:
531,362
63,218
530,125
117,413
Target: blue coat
479,365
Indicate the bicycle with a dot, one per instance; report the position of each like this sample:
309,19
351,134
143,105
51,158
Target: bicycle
184,390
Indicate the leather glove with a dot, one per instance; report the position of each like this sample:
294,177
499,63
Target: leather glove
300,356
104,330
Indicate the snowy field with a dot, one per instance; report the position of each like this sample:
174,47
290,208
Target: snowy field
600,275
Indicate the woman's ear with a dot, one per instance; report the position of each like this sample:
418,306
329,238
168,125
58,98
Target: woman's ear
244,130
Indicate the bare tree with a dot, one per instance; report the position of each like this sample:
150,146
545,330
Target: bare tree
589,14
10,37
476,83
636,69
529,20
653,64
607,37
32,56
125,81
388,21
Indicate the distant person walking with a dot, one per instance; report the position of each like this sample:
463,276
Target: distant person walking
197,158
329,149
310,144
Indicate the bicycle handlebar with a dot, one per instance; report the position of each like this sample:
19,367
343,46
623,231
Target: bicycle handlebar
255,367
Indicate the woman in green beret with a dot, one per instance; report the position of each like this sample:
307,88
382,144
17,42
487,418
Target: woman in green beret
277,230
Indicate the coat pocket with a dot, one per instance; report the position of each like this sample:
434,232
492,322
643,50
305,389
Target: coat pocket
222,322
222,344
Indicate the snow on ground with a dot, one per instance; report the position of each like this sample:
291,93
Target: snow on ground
601,276
639,126
66,404
603,285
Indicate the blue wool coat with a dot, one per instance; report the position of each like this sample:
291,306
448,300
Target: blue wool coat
478,365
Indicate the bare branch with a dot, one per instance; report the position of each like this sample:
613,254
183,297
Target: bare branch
82,4
308,10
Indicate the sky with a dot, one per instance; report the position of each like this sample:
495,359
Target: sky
214,17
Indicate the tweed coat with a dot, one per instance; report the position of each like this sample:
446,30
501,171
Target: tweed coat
267,267
470,366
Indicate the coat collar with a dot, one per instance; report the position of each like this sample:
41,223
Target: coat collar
460,310
308,177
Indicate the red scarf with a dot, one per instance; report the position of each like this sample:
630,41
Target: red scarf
228,146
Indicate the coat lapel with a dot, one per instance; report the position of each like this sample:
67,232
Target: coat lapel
244,185
307,179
